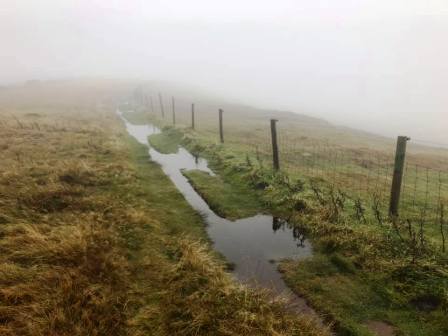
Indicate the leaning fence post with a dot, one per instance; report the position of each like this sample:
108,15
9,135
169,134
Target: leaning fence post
400,155
192,116
221,130
275,159
161,106
174,110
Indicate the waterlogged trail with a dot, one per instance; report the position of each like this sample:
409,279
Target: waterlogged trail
253,245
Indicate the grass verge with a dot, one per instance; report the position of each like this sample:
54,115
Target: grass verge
227,199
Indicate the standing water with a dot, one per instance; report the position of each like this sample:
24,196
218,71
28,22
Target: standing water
253,245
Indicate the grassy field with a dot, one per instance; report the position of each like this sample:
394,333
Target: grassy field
366,270
95,240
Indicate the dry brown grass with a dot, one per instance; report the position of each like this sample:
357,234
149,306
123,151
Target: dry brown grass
70,281
63,268
201,299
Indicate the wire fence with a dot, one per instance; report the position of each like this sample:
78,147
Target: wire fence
363,175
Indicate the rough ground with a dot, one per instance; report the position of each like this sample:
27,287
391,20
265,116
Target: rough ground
95,240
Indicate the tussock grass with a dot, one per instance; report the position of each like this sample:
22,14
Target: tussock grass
201,299
70,281
63,268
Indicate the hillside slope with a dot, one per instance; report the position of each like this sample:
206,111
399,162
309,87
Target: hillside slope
95,240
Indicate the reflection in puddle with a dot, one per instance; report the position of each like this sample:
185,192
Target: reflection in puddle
297,232
253,245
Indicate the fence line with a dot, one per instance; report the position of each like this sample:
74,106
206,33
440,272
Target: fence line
362,174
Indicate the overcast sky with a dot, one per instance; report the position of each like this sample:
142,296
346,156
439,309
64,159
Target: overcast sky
378,65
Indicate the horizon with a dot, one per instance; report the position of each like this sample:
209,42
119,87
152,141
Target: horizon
375,66
226,100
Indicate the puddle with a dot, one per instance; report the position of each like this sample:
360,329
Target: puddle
253,245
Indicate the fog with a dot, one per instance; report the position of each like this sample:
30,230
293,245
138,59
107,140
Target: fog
377,65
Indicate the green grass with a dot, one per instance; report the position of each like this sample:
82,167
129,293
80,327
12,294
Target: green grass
357,163
225,197
166,142
353,299
177,286
166,202
362,271
335,292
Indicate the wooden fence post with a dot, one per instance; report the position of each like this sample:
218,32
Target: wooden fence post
192,116
221,130
174,110
161,106
152,104
400,155
275,159
146,102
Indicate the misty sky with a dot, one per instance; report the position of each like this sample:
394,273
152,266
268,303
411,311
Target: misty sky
379,65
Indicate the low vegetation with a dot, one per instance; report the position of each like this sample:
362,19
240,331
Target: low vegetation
366,271
95,240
